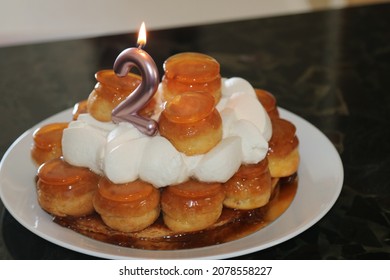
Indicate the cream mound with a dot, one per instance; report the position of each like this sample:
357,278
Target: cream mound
123,154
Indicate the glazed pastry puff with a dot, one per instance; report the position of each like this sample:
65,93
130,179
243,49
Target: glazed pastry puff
66,190
192,205
283,154
249,188
191,123
127,207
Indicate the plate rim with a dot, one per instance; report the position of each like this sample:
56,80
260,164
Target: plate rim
118,252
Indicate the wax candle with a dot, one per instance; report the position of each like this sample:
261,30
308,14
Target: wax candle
129,108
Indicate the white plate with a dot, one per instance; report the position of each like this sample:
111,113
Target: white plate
320,182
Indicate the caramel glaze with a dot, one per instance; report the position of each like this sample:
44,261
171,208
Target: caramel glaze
47,142
127,207
192,133
132,198
57,177
192,205
284,139
268,101
79,108
231,225
193,72
109,91
250,187
63,189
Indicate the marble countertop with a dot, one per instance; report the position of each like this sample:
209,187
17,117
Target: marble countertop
329,67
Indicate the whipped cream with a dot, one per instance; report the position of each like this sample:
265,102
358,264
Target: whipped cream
123,154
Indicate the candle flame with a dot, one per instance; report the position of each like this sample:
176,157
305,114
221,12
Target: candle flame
142,36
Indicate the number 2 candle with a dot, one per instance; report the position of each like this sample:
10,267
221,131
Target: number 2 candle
128,109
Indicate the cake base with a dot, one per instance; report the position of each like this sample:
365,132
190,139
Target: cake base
232,225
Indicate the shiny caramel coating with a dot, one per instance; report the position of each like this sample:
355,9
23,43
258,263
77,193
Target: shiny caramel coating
249,188
66,190
127,207
191,123
79,108
284,139
109,91
47,142
283,154
191,72
192,205
172,88
268,101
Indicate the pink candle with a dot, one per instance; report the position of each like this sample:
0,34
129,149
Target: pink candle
128,109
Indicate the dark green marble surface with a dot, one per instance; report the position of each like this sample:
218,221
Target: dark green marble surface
330,67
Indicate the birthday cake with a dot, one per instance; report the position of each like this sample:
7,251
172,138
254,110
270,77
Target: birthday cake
219,165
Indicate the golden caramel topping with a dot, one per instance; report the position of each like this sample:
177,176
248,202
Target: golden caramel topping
191,67
59,172
268,101
128,192
79,108
194,189
283,139
49,135
109,78
109,92
191,72
252,170
189,107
